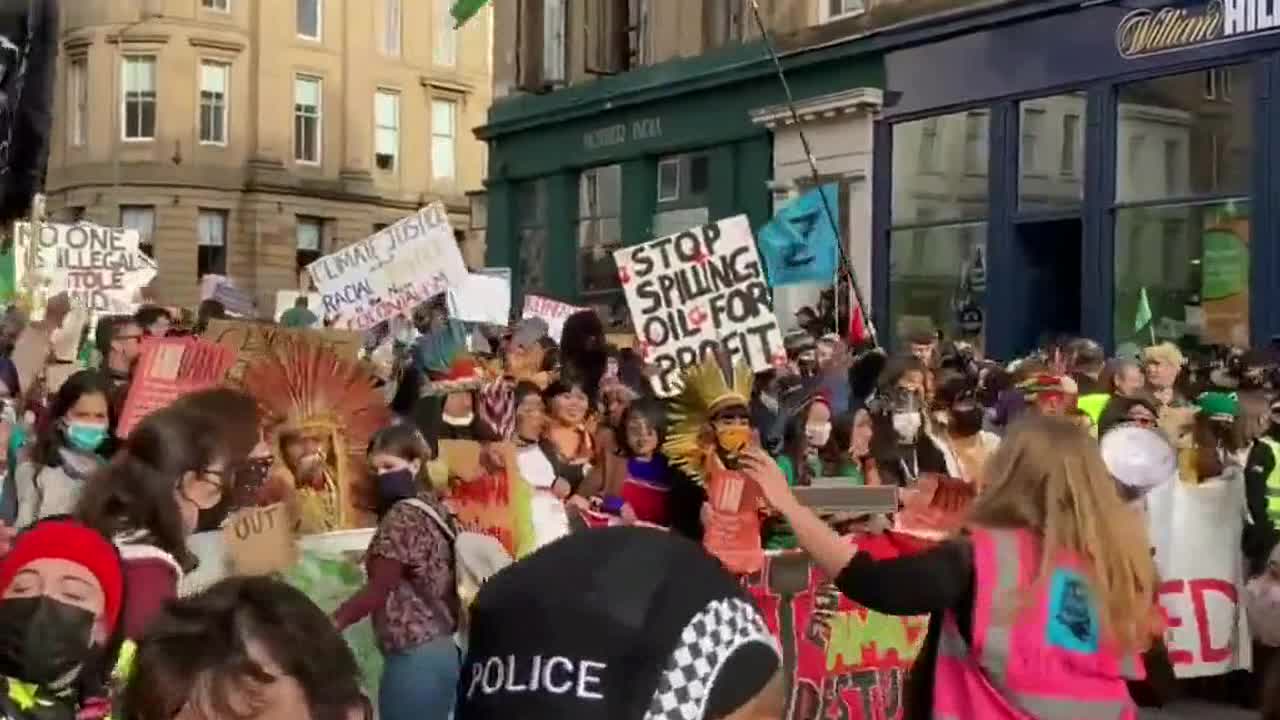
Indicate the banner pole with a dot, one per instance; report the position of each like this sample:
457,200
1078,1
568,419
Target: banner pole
845,266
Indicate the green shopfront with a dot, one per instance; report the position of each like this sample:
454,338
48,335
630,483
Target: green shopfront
579,173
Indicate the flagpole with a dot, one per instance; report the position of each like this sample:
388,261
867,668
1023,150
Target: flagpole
868,323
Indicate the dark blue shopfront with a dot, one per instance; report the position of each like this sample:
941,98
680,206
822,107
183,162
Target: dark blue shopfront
1103,170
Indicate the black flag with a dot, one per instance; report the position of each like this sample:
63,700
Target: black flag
28,55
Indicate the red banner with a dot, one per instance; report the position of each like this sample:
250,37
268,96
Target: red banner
841,659
169,368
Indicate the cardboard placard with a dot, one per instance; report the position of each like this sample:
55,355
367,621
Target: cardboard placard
553,312
698,290
260,540
167,369
391,272
250,341
101,268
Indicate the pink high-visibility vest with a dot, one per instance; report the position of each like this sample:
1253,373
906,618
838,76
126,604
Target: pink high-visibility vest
1049,663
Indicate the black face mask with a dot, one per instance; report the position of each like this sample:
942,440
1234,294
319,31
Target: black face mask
43,641
966,423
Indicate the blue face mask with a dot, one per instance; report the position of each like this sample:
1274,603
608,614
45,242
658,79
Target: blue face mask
86,437
395,486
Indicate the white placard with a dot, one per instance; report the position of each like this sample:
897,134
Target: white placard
553,312
101,268
389,273
696,290
1196,533
484,297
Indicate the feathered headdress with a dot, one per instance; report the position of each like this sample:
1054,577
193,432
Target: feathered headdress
305,389
706,391
301,387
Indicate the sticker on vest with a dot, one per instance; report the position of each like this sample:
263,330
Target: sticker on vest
1073,623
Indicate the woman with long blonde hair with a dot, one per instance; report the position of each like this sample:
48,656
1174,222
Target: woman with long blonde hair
1039,608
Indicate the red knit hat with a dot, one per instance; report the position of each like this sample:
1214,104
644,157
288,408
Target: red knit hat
69,540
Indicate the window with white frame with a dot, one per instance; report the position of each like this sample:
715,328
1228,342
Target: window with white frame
554,23
445,48
211,233
669,180
78,101
836,9
143,219
389,38
310,19
386,140
444,139
309,238
139,101
219,5
214,79
306,118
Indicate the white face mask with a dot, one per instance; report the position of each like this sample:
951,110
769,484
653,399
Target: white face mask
907,425
817,434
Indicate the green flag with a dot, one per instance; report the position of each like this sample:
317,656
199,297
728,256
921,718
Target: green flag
464,10
1142,317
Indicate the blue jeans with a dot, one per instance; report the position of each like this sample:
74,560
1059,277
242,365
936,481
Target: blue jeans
420,683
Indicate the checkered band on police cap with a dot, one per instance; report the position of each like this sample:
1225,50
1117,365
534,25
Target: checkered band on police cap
710,638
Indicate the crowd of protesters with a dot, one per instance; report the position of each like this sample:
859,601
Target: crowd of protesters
628,608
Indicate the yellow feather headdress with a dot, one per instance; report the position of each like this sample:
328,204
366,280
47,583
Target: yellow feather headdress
706,391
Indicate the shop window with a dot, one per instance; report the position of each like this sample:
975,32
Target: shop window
1191,264
599,227
1184,134
683,184
531,219
937,279
669,180
211,235
1051,155
930,168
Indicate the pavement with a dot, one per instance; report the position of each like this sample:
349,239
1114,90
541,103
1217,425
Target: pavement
1197,710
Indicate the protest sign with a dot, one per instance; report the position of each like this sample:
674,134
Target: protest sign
390,272
483,297
236,301
935,508
101,268
697,290
498,503
1196,532
553,312
250,341
840,658
167,369
260,540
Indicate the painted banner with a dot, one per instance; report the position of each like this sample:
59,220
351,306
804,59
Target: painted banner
169,368
391,272
553,312
484,297
697,290
840,659
1196,531
330,570
101,268
253,340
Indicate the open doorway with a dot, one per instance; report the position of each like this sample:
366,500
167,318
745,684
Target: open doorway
1049,262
